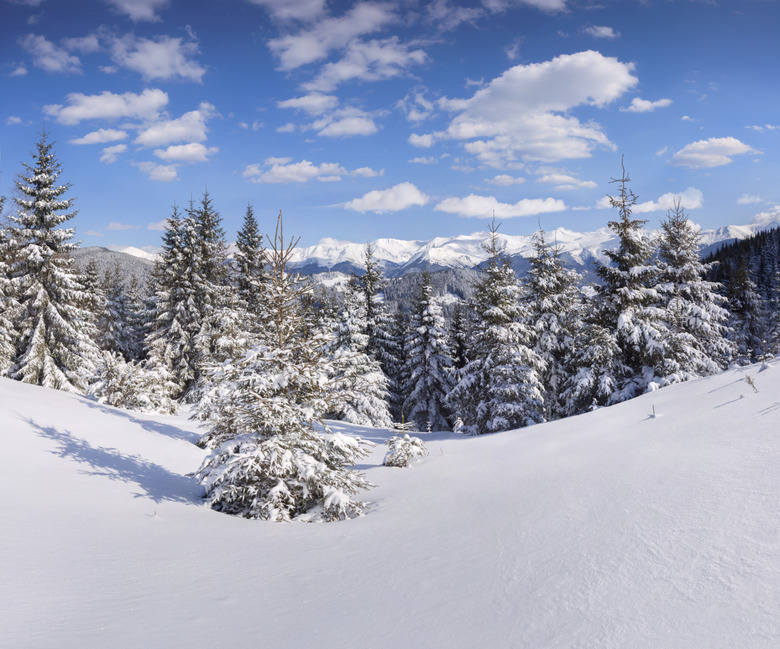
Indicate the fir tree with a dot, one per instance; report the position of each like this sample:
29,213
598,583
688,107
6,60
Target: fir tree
428,362
9,307
270,461
54,346
501,387
250,266
748,318
695,320
628,302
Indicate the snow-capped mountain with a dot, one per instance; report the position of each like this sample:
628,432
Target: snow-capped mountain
397,257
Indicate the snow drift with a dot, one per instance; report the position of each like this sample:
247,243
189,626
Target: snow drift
612,529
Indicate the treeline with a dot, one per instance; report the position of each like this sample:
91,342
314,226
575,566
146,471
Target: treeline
264,357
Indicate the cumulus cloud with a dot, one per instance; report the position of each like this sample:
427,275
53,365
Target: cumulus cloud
644,106
368,61
714,152
565,182
690,199
282,170
769,217
314,103
526,112
190,127
749,199
111,153
139,10
101,136
161,57
303,10
107,105
394,199
50,57
505,180
367,172
485,207
161,173
327,34
600,31
192,152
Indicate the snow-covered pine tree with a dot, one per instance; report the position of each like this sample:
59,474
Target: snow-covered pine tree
555,314
696,341
54,346
174,319
748,319
501,386
627,301
118,324
428,362
270,461
360,385
250,266
9,307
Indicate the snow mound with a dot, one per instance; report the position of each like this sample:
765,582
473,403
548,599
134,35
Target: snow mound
612,529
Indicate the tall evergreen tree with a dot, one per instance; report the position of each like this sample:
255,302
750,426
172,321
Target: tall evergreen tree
54,346
628,302
501,386
9,307
695,343
428,362
748,318
250,265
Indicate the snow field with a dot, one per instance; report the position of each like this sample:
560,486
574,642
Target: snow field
610,529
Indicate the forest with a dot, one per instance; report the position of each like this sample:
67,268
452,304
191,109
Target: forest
262,357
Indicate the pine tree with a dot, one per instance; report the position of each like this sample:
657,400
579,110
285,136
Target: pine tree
695,320
9,307
428,362
270,461
555,314
501,387
748,318
54,346
250,266
628,302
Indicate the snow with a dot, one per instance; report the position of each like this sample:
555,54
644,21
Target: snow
610,529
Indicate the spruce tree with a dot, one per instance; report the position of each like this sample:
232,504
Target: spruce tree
695,343
500,388
9,307
54,346
250,265
748,318
270,459
428,362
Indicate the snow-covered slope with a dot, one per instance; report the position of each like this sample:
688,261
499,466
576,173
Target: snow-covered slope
397,256
608,530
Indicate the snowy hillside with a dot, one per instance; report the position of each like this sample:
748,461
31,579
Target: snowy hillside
396,256
606,530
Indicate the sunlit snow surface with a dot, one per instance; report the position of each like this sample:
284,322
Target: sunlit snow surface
612,529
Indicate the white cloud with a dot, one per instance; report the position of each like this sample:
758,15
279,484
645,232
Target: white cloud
344,123
485,207
425,141
111,153
765,127
162,173
119,227
108,105
295,50
190,127
447,18
368,61
158,226
749,199
286,128
526,112
161,57
314,103
192,152
139,10
281,170
93,233
48,56
550,6
18,71
714,152
304,10
13,120
644,106
394,199
101,136
85,44
367,172
565,182
424,160
505,180
416,106
771,217
600,31
691,199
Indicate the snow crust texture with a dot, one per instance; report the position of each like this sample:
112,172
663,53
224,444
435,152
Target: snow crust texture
651,524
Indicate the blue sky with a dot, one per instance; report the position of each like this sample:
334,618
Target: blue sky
403,119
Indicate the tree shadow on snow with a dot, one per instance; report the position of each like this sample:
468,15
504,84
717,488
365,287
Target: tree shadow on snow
155,482
174,432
